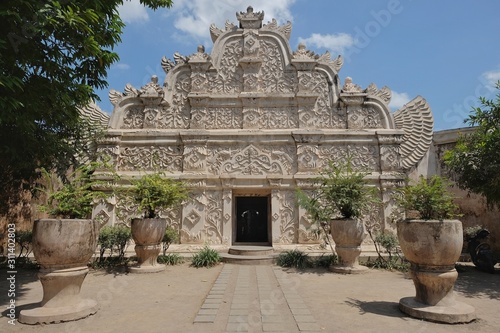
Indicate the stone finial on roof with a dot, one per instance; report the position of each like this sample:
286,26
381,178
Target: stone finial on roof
152,89
250,20
350,87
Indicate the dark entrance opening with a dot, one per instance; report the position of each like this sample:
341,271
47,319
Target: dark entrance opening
252,219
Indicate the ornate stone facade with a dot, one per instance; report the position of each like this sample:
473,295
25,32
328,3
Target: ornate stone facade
253,119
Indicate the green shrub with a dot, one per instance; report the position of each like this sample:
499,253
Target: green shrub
294,258
390,243
170,259
325,261
23,239
206,257
429,198
171,236
114,238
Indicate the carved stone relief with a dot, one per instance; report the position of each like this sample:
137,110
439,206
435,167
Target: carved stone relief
251,160
168,158
251,81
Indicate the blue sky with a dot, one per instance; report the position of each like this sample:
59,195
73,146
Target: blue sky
447,51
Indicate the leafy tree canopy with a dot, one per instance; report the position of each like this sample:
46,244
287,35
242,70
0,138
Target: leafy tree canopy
475,160
53,54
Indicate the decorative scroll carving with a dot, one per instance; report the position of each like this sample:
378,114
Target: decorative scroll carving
194,158
214,217
390,158
223,117
150,158
252,160
270,118
415,118
286,218
360,117
228,78
272,76
133,117
384,94
307,157
284,30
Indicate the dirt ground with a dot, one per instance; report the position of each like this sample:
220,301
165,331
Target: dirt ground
169,301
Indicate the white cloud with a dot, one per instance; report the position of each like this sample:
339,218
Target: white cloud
133,11
398,100
336,43
122,66
491,78
195,16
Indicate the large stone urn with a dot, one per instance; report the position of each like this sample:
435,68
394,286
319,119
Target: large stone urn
348,234
62,248
147,235
432,247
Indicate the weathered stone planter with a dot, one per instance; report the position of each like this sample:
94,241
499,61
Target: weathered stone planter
433,247
147,235
348,235
62,247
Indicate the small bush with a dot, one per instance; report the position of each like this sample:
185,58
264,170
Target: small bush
170,259
294,258
325,261
114,238
171,236
393,263
23,239
206,257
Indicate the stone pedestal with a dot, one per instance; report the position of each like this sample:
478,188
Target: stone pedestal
62,248
433,247
348,260
61,298
348,235
147,235
147,256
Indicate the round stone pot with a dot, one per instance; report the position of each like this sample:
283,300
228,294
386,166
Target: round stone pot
432,247
62,247
147,235
348,234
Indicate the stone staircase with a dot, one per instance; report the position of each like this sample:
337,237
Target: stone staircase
249,255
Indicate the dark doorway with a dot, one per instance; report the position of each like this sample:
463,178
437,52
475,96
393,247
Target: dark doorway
252,219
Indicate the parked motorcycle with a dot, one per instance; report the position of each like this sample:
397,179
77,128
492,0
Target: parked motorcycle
480,252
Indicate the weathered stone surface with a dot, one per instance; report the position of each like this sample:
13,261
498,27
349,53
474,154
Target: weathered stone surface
254,118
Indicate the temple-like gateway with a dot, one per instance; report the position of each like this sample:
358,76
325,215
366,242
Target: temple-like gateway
248,124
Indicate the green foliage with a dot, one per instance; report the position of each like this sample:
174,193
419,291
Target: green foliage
114,239
153,192
206,257
429,198
295,259
170,259
390,243
474,162
76,198
325,261
171,236
53,55
341,191
24,240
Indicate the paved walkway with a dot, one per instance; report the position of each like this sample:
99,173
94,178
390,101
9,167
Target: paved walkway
231,298
254,299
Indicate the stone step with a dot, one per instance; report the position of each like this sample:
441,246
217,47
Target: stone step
249,255
251,250
247,260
